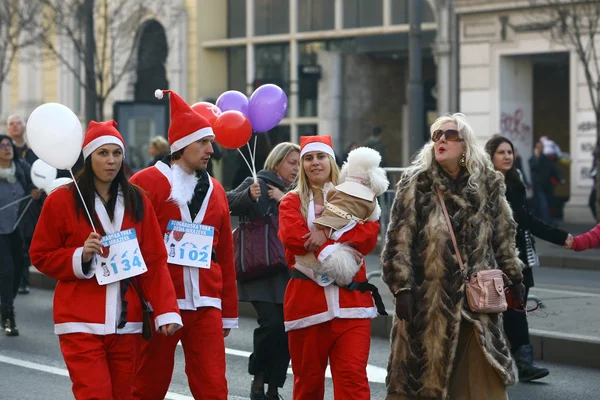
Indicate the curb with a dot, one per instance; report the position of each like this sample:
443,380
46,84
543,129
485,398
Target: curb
563,348
579,263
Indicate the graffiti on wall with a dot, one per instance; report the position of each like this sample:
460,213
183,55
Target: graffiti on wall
513,126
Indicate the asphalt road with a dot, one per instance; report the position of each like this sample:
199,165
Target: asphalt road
31,366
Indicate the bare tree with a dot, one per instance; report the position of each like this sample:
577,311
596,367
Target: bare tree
20,27
101,40
576,24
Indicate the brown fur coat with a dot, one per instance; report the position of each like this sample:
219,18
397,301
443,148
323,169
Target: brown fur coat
418,254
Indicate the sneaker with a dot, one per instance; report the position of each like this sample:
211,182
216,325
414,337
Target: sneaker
23,289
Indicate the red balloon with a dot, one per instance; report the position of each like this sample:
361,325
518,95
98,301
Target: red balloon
208,111
232,129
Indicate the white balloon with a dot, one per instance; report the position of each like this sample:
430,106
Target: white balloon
55,135
58,182
42,174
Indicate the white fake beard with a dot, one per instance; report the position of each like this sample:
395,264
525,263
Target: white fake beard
183,186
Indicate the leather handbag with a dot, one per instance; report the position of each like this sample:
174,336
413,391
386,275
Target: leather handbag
258,252
484,289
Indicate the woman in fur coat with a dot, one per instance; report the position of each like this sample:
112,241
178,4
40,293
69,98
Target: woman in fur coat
501,151
440,348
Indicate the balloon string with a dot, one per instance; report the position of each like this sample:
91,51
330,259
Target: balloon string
254,155
252,159
248,164
22,214
15,202
83,201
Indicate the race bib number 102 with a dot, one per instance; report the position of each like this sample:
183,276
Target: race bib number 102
189,244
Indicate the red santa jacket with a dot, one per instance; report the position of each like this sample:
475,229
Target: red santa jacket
306,303
197,287
80,303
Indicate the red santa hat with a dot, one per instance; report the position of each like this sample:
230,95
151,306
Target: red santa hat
101,133
187,126
316,143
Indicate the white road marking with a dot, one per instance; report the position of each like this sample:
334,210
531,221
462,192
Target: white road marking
564,292
64,372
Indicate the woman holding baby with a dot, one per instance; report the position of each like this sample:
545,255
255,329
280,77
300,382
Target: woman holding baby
326,323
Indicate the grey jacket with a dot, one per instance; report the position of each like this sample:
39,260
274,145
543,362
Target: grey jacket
269,289
11,192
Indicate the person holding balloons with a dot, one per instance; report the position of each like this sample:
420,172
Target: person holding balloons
15,185
325,323
99,320
193,215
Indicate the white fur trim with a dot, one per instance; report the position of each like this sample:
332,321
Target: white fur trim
191,138
101,141
338,234
317,146
168,318
78,265
158,93
341,265
183,186
230,323
204,301
376,213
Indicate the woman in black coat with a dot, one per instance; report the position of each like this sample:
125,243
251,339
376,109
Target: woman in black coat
250,200
15,184
501,150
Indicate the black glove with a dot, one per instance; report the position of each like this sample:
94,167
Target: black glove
518,291
404,306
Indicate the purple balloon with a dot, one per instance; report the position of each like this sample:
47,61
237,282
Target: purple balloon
233,100
267,107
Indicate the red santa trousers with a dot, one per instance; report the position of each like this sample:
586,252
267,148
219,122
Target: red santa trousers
345,343
101,367
204,350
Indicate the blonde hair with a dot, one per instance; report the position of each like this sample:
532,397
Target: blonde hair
303,188
478,161
279,154
160,144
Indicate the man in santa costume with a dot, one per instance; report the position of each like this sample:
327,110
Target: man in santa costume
182,191
99,326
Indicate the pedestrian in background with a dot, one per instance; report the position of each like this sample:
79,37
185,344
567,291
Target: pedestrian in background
441,348
375,141
325,323
157,149
543,173
251,201
501,151
15,183
16,130
99,326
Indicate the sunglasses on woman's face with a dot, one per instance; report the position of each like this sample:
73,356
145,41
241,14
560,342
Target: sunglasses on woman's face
452,135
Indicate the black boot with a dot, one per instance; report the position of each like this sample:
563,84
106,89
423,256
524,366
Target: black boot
528,371
8,322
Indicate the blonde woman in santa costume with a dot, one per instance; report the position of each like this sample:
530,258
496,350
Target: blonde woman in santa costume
325,322
99,326
184,195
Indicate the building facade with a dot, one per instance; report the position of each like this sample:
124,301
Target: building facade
342,63
517,80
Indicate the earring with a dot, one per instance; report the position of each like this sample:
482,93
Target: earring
463,161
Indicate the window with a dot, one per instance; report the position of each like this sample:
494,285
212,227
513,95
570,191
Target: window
271,17
272,65
236,68
316,15
308,78
236,18
400,12
363,13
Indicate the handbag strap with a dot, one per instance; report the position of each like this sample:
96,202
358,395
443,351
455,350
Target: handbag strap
458,257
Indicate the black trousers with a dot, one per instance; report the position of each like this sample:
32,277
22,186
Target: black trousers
516,327
11,267
271,355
